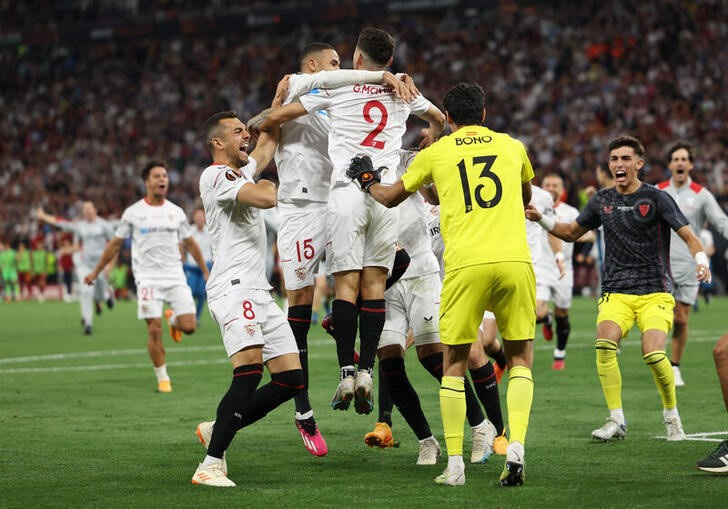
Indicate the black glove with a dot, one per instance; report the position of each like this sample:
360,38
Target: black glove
362,171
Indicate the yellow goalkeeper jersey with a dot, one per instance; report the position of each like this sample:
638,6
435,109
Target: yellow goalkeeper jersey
478,174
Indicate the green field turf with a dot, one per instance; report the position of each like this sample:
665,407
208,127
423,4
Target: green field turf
83,427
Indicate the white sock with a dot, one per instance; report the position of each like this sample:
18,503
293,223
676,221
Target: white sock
173,319
161,373
617,415
210,460
670,413
559,354
455,463
302,417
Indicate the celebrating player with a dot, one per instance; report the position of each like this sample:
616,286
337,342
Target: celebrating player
361,233
92,232
698,205
636,218
253,328
157,227
483,179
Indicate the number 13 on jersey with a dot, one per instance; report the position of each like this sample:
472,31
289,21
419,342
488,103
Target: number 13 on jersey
487,194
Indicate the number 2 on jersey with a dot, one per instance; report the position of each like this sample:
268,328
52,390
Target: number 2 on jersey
370,140
487,161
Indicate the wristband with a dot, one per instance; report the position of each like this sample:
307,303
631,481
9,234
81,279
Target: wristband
701,258
559,257
547,223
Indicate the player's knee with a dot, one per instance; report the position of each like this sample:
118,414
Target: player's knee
392,368
433,364
655,357
606,351
289,383
720,352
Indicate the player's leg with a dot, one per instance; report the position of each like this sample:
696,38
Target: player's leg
345,314
483,376
717,461
180,315
149,309
85,299
679,339
654,318
543,315
615,318
563,329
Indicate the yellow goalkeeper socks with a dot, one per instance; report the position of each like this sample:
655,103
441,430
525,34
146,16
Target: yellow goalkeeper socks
609,374
519,398
452,408
664,377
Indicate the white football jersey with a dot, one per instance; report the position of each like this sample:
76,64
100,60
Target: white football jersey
535,235
414,231
237,232
202,237
565,213
365,119
436,243
92,235
156,232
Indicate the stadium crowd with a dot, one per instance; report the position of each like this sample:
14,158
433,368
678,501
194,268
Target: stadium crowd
80,119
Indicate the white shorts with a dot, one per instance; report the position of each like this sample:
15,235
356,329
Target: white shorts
360,231
686,283
252,318
151,299
412,304
560,295
301,242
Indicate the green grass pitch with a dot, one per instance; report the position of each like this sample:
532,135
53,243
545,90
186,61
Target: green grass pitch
83,427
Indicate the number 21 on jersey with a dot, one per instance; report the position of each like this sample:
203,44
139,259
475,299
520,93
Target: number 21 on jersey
480,198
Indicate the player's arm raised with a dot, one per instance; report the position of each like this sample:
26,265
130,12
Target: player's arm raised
696,249
565,231
110,251
265,147
436,120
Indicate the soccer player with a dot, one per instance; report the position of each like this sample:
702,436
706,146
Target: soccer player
254,329
483,180
547,258
195,277
304,175
9,267
560,291
717,461
412,304
39,256
698,205
157,227
92,233
361,234
636,218
25,269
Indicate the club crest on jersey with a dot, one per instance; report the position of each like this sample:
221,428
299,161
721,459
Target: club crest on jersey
608,209
232,175
644,209
301,273
251,329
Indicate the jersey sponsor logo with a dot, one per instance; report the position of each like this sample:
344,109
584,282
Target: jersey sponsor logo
434,231
473,140
232,175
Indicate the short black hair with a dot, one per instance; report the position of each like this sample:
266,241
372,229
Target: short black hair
376,44
627,141
152,164
465,103
682,144
209,126
313,47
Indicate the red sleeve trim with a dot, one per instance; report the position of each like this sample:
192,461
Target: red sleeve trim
663,185
696,187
